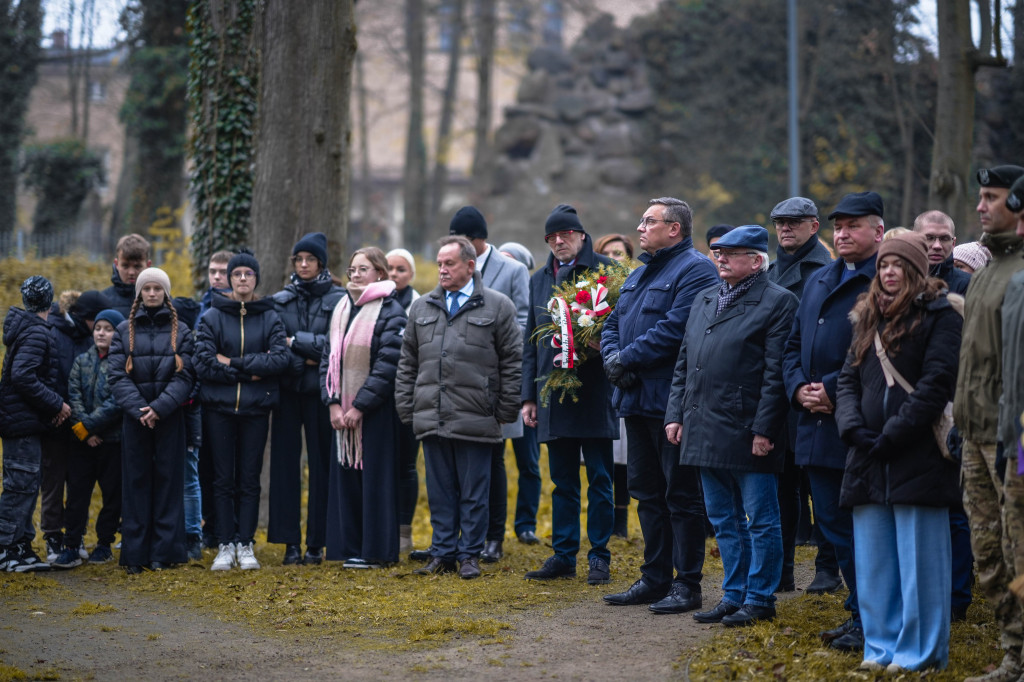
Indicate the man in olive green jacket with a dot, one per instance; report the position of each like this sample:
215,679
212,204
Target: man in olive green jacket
995,530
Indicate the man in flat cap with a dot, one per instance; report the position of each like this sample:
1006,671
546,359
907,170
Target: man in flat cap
814,356
733,347
799,254
996,531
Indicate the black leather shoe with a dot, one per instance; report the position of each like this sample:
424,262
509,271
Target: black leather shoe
420,555
553,568
851,641
787,583
679,599
314,555
838,631
958,614
492,552
134,570
638,593
469,568
160,566
748,615
716,614
292,555
528,537
436,565
824,582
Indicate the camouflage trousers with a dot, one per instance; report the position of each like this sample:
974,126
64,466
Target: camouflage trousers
995,509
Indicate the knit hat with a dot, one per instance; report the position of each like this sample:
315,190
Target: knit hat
973,254
153,275
519,252
858,204
1015,199
910,247
314,243
563,217
404,255
36,294
110,315
468,222
88,304
245,259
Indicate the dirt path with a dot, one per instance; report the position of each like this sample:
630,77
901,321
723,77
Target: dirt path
146,638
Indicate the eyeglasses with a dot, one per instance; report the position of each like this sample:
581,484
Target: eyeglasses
305,260
362,270
243,274
791,223
944,239
726,255
563,235
648,221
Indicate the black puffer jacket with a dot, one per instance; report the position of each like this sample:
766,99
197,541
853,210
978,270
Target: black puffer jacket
28,392
153,381
385,350
120,295
911,470
254,341
91,401
71,338
305,309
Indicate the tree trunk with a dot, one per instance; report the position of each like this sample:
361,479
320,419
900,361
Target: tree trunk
415,180
485,30
302,142
439,184
954,113
364,142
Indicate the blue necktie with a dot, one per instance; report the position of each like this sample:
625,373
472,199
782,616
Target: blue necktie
455,305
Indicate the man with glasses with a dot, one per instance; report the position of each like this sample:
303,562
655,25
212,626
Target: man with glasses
814,356
640,343
939,232
799,255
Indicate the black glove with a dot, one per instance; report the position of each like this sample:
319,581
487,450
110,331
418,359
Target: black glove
627,380
613,368
882,448
862,438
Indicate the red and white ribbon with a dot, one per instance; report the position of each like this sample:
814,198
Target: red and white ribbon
599,296
562,341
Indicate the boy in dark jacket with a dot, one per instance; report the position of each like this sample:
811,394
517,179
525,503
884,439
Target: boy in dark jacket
96,424
29,406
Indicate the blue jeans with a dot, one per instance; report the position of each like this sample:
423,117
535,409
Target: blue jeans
906,551
528,462
193,497
564,463
458,483
744,508
22,461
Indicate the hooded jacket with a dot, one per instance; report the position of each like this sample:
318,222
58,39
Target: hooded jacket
91,400
29,398
252,336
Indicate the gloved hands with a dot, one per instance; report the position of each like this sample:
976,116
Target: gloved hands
862,438
882,448
80,431
617,374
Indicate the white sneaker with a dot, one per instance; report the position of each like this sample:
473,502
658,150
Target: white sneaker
82,551
225,558
246,559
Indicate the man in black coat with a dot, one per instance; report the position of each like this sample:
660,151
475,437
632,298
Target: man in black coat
727,410
940,233
30,405
570,428
800,253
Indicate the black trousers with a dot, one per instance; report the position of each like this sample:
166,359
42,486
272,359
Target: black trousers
237,443
297,413
497,497
88,466
153,491
670,506
408,477
56,445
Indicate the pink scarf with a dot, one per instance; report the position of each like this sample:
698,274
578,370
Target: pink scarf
348,365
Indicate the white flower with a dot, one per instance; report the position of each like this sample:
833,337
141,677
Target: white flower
585,321
583,284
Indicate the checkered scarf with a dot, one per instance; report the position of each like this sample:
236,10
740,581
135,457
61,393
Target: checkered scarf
727,295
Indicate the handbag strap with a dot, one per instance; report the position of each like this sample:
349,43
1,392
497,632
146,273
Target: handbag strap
892,375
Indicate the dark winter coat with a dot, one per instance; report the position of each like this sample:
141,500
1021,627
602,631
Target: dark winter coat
911,470
815,352
29,398
727,385
153,381
71,338
648,323
460,378
592,416
385,350
252,337
305,309
91,399
956,280
120,295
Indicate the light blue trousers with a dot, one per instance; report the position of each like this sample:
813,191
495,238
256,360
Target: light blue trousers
904,556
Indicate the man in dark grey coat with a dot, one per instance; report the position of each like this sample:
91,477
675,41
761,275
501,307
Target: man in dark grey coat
727,408
458,381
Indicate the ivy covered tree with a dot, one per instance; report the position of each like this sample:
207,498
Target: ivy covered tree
20,31
223,89
61,174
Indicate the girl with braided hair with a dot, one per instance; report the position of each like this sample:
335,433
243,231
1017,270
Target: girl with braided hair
151,377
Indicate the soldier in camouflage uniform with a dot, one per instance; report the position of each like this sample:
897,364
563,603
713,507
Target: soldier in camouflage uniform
994,527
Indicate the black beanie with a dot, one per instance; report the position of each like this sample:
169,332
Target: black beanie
314,243
244,258
36,294
469,223
89,304
562,218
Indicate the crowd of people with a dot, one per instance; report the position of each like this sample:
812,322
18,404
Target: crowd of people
723,392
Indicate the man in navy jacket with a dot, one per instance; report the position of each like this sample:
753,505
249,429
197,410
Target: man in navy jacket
640,343
814,356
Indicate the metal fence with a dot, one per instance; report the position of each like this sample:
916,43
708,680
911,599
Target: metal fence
20,244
